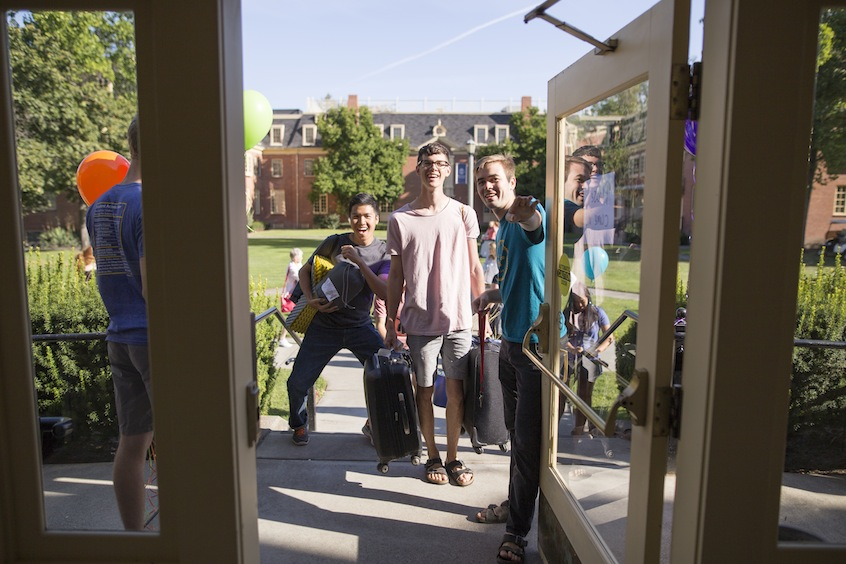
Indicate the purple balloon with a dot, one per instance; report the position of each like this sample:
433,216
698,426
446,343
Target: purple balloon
690,128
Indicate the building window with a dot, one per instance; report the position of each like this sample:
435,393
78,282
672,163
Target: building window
502,134
257,205
277,134
840,201
397,131
249,165
381,128
276,168
52,204
277,201
321,206
386,208
308,167
309,135
480,134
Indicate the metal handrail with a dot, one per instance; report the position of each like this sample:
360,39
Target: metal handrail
267,314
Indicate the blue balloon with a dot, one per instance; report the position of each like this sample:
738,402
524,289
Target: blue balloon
596,262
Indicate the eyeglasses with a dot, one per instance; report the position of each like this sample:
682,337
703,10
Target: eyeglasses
432,164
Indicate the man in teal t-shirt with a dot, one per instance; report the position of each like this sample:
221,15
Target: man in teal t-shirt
519,285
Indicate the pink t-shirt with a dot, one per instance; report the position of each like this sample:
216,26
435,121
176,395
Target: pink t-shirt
436,265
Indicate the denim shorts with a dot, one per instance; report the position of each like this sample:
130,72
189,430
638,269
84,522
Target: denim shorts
133,390
453,348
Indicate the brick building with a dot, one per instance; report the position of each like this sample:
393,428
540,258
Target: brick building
283,175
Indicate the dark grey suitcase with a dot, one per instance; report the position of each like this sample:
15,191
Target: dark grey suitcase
391,407
484,417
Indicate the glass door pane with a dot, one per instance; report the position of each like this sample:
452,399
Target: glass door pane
74,89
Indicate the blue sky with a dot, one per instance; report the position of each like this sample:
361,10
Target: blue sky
440,49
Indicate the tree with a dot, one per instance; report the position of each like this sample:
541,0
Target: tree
358,158
828,137
74,92
528,147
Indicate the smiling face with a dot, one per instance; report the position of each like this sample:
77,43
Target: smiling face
494,187
363,221
574,185
433,170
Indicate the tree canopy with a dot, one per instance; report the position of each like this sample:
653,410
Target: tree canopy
74,91
828,140
358,158
528,147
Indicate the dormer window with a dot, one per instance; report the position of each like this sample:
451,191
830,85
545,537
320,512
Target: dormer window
309,135
277,134
502,134
397,131
480,134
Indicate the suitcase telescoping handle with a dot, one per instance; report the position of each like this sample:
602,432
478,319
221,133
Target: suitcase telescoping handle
483,323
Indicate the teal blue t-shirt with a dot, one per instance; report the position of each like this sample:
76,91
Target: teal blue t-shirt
520,256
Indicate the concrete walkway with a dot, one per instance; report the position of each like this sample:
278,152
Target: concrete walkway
326,502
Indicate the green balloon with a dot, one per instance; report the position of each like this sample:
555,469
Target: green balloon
258,117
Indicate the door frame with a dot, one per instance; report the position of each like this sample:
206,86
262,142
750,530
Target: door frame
752,140
648,48
200,338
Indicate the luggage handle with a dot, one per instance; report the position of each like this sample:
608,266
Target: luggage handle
483,324
406,425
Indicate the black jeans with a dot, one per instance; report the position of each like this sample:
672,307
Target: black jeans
521,391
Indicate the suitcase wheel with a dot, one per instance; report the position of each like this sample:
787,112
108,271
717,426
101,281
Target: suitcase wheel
478,449
382,467
502,448
415,460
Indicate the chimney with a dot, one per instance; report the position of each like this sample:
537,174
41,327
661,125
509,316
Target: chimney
525,102
352,101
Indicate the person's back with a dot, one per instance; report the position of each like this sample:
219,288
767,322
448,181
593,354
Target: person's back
115,225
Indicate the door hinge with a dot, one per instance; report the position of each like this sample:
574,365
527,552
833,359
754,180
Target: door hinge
667,412
686,86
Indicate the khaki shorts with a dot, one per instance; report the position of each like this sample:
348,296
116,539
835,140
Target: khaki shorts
453,348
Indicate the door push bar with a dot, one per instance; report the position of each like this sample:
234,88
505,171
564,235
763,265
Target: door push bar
633,398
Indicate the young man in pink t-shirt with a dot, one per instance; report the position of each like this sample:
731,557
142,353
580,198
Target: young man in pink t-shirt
434,259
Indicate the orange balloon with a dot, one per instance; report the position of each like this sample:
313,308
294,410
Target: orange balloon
98,172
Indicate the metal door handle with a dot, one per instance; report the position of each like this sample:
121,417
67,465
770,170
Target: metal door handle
632,398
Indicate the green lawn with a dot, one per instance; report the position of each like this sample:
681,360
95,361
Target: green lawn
270,251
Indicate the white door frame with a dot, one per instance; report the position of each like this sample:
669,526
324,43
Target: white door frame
648,48
752,158
191,116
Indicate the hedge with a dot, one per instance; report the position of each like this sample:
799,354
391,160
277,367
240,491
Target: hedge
72,378
818,383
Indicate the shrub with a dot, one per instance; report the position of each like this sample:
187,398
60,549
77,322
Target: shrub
58,238
73,378
328,221
818,386
267,336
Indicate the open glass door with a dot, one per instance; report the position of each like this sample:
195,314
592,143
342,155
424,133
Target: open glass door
201,354
604,482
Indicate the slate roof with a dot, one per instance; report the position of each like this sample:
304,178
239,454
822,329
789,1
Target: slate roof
419,127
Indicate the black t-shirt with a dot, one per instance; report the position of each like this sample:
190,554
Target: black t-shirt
570,209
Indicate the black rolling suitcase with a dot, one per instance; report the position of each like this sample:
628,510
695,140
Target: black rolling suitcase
484,417
391,407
